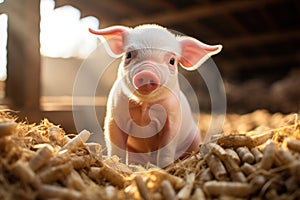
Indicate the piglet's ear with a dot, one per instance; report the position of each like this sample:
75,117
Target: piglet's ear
195,53
113,39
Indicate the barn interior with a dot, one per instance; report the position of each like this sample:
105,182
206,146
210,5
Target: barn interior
259,62
55,78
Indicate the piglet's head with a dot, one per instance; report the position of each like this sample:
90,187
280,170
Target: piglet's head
151,54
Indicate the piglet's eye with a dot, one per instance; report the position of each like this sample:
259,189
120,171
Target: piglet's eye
172,61
128,55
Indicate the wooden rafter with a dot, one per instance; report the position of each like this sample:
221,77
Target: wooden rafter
197,12
252,40
267,61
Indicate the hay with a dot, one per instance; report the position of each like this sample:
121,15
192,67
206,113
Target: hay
43,162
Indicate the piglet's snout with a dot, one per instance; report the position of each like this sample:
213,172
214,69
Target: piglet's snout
146,81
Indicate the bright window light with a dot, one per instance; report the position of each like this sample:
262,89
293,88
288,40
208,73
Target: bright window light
3,45
63,33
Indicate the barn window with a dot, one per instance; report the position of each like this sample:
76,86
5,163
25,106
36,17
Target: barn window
63,33
65,42
3,46
3,52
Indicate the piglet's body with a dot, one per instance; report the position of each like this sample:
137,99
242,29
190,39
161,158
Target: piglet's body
148,117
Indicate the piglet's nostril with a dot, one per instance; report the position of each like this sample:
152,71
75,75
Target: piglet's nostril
152,82
141,80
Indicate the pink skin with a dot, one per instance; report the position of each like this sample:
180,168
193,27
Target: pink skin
145,81
148,117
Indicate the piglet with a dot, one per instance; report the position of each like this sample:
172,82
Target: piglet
148,118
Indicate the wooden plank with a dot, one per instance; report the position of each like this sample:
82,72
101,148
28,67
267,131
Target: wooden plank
264,60
56,103
23,65
235,24
166,5
180,16
108,13
253,40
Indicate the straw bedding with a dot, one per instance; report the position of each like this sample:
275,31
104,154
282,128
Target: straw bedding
256,157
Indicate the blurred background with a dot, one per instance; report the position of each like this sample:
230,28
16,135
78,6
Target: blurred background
44,42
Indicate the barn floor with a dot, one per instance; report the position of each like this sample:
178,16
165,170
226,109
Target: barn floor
257,157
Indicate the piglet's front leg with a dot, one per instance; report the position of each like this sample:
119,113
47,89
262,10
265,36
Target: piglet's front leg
167,145
117,140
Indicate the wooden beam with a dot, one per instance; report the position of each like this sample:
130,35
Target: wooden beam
235,24
166,5
202,31
264,60
23,65
60,103
180,16
252,40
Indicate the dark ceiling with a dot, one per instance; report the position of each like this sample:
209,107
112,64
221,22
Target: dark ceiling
260,37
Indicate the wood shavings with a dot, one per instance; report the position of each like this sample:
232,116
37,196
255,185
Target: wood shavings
233,154
206,175
217,168
25,173
257,154
283,157
244,140
105,172
198,194
161,175
293,144
268,157
142,188
7,128
257,183
217,188
56,135
41,157
77,141
95,150
248,169
55,173
168,191
185,192
75,181
52,192
43,162
245,155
